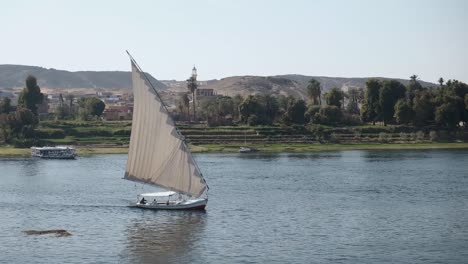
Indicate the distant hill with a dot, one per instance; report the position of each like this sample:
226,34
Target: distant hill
12,76
295,85
291,84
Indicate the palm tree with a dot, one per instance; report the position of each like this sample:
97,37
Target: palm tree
192,87
186,102
441,81
314,91
353,97
70,98
271,106
183,103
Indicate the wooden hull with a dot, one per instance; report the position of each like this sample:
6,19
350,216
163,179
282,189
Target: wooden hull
197,204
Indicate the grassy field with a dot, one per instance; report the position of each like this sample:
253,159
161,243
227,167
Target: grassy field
8,151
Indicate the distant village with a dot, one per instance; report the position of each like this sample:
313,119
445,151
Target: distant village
119,104
116,104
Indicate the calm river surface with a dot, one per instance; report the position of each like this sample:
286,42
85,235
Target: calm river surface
327,207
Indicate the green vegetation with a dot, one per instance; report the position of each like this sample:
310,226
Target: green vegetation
19,125
9,151
385,113
31,96
5,105
381,102
314,91
335,97
115,133
90,107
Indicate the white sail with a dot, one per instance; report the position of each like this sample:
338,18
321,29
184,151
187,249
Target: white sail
157,153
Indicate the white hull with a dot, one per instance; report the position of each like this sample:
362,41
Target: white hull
247,150
59,152
195,204
55,157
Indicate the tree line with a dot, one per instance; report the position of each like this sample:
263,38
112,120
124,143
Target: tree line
390,102
381,101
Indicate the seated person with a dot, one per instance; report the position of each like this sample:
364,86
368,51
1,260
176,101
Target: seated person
143,200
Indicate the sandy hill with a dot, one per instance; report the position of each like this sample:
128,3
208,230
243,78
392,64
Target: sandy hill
292,84
295,85
12,76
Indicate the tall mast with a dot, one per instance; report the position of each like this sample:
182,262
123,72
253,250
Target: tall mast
159,163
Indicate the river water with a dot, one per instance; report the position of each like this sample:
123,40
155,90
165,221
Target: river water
327,207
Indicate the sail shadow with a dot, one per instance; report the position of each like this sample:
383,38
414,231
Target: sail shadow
164,237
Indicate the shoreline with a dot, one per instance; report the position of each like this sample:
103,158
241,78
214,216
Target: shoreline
8,151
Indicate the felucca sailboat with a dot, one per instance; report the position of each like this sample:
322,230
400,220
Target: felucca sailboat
158,154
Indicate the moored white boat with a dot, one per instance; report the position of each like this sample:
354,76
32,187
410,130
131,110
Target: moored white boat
247,150
59,152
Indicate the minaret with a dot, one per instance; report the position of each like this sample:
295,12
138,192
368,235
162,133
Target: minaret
192,87
194,78
194,72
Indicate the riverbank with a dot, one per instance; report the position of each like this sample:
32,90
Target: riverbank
276,148
7,151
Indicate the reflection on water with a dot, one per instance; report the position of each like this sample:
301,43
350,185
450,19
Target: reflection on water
314,155
164,236
30,167
395,155
259,156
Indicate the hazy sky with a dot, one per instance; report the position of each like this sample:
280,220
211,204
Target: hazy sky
344,38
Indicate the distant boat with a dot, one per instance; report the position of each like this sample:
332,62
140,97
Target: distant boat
59,152
246,149
158,154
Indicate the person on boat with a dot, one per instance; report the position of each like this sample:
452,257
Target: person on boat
143,200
